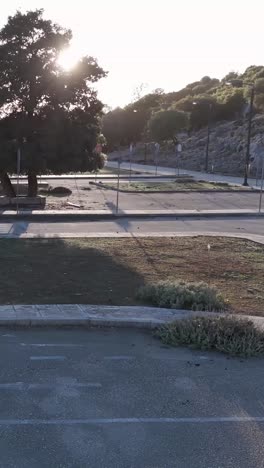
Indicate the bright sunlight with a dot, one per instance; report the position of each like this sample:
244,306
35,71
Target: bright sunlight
68,58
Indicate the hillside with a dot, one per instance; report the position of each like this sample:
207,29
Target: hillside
226,151
228,99
227,102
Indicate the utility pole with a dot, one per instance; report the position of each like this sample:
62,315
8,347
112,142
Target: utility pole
252,95
208,136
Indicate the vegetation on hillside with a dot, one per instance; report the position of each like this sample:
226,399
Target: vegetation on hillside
225,99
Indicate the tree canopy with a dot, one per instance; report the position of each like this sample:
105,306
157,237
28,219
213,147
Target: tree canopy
165,125
51,114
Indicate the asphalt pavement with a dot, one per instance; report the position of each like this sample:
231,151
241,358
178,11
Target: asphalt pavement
167,171
120,399
137,227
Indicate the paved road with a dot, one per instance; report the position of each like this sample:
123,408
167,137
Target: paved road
119,399
161,170
138,227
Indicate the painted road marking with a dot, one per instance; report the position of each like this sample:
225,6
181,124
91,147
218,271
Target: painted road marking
52,345
22,386
119,358
47,358
87,422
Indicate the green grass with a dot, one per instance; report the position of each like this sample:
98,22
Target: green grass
225,334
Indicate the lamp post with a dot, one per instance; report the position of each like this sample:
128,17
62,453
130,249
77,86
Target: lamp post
238,83
208,136
252,95
210,106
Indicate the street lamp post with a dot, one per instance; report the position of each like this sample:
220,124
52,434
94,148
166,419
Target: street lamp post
210,106
236,83
252,95
208,136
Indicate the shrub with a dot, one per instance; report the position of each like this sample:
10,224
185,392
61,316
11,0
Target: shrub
182,295
60,191
102,159
238,337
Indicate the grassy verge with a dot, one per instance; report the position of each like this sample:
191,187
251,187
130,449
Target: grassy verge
176,186
110,271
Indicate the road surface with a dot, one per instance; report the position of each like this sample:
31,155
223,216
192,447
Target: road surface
136,227
119,399
161,170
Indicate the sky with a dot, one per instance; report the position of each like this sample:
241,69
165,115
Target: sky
159,43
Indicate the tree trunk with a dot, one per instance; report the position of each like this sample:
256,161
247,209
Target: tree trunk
8,188
32,184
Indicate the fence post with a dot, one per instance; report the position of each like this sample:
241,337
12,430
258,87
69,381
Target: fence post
118,183
261,188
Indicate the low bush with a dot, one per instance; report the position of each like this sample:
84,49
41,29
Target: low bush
57,191
238,337
182,295
60,191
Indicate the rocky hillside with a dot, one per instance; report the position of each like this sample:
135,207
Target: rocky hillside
226,153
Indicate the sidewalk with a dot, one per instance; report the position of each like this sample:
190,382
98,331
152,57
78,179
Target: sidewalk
167,171
97,315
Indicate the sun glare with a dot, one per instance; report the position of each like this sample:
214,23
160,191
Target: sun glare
68,59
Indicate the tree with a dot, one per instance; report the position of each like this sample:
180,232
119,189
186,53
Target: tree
165,125
113,127
51,115
123,126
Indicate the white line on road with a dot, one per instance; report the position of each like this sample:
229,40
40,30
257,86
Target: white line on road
47,358
119,358
53,345
87,422
22,386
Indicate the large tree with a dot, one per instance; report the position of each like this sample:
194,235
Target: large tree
50,114
165,125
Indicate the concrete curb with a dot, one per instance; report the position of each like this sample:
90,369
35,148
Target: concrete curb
75,215
80,315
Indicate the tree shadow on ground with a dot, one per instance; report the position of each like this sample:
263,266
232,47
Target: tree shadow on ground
42,271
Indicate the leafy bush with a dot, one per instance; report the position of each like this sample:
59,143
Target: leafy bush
182,295
237,337
59,191
101,160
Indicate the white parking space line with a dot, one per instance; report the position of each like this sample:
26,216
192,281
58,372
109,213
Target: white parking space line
119,358
53,345
87,422
47,358
22,386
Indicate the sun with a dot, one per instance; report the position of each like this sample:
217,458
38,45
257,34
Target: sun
68,58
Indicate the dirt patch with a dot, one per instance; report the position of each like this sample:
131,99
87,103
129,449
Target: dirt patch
109,271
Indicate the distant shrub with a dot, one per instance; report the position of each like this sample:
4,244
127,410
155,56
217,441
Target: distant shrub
102,159
229,335
182,295
60,191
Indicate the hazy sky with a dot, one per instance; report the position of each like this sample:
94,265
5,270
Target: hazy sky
164,43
